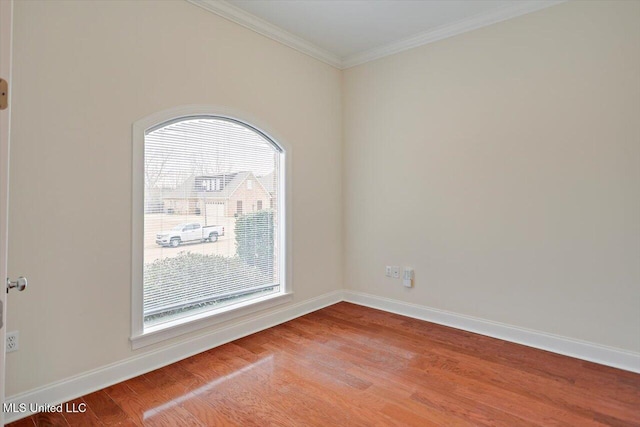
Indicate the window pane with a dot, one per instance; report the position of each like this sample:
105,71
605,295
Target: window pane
202,250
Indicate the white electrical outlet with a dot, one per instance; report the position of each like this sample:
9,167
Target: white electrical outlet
12,341
387,271
395,272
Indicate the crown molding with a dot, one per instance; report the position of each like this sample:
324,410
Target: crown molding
239,16
449,30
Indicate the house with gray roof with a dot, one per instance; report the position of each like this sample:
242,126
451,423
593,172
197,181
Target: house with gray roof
219,195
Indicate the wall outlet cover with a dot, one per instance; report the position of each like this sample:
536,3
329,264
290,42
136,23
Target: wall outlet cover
12,341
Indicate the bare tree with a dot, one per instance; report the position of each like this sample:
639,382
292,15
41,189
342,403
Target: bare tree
154,169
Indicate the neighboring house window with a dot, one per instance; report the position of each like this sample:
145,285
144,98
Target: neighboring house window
196,264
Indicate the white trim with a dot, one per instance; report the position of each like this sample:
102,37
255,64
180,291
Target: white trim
137,224
6,47
485,19
617,358
139,337
88,382
252,22
206,319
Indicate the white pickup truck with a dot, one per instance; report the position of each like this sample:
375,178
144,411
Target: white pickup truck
189,232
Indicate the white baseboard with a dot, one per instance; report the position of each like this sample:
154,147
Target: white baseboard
584,350
88,382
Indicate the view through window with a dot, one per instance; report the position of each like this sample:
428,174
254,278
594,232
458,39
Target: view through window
211,216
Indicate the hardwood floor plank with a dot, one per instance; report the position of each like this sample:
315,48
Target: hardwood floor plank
107,411
299,397
131,403
46,419
78,413
148,404
355,366
207,414
25,422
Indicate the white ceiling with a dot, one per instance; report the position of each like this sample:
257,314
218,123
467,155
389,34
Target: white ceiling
348,27
348,32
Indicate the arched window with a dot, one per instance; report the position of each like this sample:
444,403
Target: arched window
201,248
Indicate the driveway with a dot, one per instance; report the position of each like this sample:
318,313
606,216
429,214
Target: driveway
155,223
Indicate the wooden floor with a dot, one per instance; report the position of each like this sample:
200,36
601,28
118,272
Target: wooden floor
347,365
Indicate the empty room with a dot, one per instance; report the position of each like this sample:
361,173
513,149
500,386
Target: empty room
320,212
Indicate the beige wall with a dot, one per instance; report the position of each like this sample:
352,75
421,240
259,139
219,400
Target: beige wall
84,72
503,165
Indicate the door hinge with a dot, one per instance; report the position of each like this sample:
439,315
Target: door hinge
4,94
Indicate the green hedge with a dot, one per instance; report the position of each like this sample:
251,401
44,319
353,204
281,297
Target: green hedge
191,276
254,240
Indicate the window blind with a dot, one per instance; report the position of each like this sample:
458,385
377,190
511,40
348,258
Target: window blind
211,220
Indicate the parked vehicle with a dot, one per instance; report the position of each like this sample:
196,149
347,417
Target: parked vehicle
189,232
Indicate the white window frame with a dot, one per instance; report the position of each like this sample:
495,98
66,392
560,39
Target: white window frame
141,336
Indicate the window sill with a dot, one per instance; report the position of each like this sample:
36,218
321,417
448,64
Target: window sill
165,331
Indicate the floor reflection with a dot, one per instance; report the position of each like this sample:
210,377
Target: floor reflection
203,390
